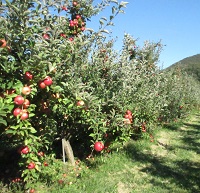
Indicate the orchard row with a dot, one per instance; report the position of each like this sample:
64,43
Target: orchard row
61,82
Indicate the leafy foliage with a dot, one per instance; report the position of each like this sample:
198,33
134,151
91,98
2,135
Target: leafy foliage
79,88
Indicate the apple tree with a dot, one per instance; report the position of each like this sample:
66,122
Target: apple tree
51,80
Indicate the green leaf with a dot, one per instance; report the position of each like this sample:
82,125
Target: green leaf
92,135
114,1
104,18
32,130
3,122
70,106
31,114
2,114
101,22
105,31
113,10
65,101
34,158
38,7
90,30
27,141
123,4
121,11
10,107
57,89
15,127
21,133
11,132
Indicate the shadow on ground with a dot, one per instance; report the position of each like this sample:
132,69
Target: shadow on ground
190,135
183,173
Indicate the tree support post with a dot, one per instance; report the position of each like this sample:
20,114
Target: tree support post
67,150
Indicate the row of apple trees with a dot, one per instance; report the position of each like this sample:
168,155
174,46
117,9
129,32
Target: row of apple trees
62,80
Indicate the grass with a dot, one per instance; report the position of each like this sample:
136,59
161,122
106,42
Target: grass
169,164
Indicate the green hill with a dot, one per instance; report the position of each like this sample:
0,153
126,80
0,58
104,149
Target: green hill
191,65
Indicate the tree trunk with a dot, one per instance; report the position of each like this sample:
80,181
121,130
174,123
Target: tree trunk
67,150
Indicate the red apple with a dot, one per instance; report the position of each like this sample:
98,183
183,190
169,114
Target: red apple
80,103
75,22
19,100
31,190
63,35
16,180
42,85
64,8
48,81
3,43
46,164
128,112
17,112
28,75
26,104
78,16
46,36
23,150
24,116
71,23
98,146
127,121
75,3
128,116
26,90
31,165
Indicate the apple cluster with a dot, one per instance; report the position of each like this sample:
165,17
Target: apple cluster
45,82
128,117
23,150
76,22
22,103
76,25
42,83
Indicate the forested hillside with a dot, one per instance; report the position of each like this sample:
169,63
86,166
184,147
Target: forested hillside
191,65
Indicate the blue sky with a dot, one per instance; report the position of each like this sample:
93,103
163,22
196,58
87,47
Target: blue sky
175,22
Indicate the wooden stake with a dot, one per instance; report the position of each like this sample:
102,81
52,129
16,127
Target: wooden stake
66,147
